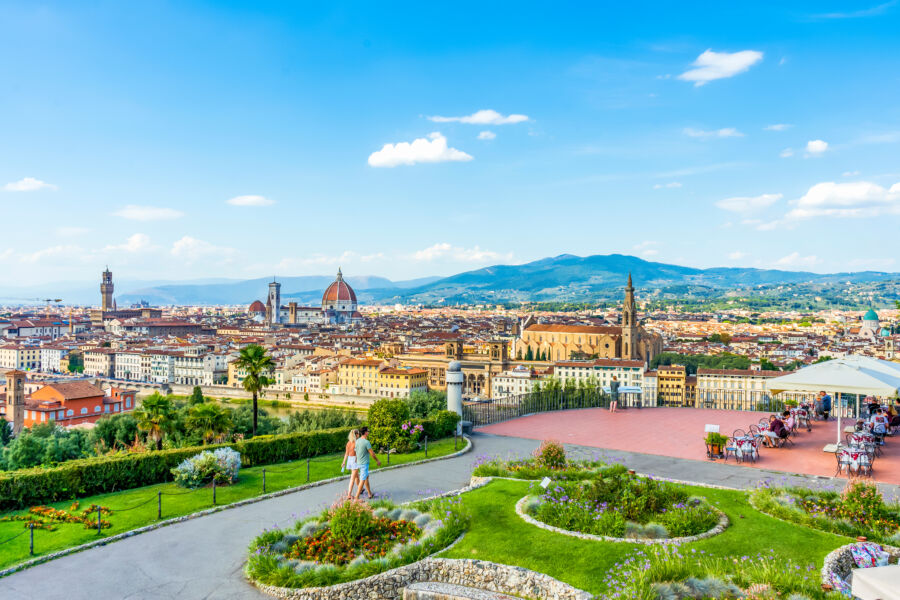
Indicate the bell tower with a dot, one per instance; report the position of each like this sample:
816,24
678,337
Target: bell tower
15,399
629,324
106,291
273,304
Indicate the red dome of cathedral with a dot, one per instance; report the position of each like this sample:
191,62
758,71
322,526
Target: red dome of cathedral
338,291
257,307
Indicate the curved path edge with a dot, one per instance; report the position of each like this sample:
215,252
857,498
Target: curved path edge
175,520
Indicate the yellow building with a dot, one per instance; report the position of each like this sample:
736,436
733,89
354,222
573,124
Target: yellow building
236,376
399,383
358,377
21,358
675,387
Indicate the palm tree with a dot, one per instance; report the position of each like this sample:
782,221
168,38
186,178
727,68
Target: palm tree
211,420
254,360
155,416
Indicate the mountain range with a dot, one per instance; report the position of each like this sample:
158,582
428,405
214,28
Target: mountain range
565,278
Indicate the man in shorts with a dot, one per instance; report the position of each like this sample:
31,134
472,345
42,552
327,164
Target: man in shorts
363,453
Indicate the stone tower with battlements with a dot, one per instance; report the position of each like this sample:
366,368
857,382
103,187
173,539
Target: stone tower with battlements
106,291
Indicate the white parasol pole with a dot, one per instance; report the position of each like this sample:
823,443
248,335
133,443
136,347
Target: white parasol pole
836,404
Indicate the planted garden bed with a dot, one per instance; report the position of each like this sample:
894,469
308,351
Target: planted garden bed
860,510
353,540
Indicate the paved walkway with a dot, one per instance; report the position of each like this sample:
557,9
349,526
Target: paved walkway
203,558
679,432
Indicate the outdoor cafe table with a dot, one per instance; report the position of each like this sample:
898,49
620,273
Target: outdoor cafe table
877,583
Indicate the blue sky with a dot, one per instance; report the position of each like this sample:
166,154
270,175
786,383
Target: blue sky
188,139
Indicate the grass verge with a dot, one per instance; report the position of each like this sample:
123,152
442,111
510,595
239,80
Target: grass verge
138,507
497,534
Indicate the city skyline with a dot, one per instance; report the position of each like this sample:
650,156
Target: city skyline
202,141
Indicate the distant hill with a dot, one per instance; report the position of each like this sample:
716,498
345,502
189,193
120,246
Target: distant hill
566,278
301,289
576,278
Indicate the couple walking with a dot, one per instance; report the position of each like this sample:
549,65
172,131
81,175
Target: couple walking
356,458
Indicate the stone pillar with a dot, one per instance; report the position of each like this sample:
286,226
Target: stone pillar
455,389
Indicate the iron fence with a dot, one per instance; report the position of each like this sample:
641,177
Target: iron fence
496,411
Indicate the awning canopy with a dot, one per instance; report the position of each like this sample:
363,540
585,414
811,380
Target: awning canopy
848,375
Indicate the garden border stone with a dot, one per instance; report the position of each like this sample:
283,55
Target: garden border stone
175,520
480,574
719,528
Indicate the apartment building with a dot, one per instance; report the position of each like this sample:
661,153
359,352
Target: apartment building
740,389
100,362
400,383
21,358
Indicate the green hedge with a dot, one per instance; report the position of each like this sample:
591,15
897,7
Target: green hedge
88,476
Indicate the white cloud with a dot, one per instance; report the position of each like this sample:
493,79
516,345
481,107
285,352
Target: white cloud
737,255
670,185
347,257
444,251
816,147
6,254
50,252
482,117
777,127
134,212
137,242
786,153
434,149
747,204
250,201
794,260
725,132
69,230
849,173
850,199
487,135
711,65
647,248
28,184
857,14
191,249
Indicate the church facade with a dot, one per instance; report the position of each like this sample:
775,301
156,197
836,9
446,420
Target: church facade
628,341
339,307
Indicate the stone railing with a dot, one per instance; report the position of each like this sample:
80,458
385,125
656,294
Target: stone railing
840,561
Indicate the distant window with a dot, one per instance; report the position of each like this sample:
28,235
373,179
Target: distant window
84,411
70,412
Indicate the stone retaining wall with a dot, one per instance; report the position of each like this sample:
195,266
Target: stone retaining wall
480,574
841,562
719,528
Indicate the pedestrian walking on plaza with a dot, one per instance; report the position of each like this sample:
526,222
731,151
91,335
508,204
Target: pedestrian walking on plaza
614,394
349,461
363,453
825,403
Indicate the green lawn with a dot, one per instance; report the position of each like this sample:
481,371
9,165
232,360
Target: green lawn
498,534
129,513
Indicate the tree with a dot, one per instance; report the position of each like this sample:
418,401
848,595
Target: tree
767,365
155,417
196,396
529,355
424,403
254,360
210,420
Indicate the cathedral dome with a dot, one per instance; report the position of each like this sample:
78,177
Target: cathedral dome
338,291
257,307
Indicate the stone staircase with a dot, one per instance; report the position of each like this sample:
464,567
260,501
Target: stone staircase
430,590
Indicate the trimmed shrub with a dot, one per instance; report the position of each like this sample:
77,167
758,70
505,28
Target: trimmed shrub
351,520
550,454
385,418
99,475
221,465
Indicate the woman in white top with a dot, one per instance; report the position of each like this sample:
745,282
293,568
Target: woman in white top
349,461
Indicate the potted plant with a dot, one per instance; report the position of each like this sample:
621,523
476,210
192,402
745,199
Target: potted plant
715,443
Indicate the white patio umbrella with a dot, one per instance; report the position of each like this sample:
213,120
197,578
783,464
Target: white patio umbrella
858,375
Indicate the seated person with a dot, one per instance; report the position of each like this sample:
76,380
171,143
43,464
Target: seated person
879,422
776,430
789,420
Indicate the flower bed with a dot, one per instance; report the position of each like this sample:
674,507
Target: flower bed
549,460
351,540
46,517
673,573
619,504
859,511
